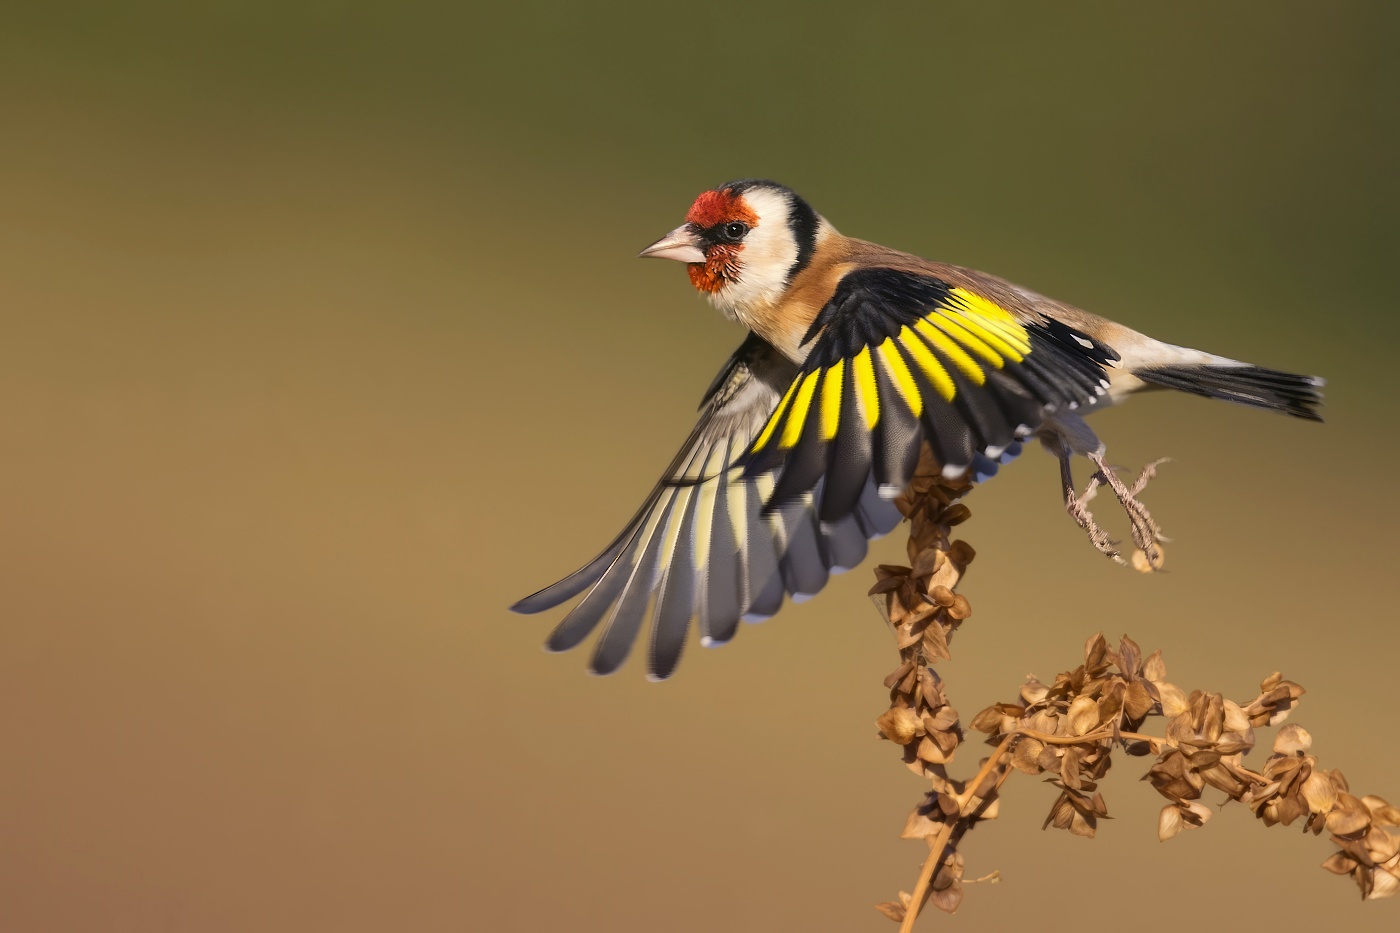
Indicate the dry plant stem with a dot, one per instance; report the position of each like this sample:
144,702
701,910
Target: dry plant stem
936,857
1068,730
923,611
1155,741
939,843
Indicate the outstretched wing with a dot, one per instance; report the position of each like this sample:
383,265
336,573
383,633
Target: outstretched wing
704,545
904,357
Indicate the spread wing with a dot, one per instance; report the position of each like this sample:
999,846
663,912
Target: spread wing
903,357
705,545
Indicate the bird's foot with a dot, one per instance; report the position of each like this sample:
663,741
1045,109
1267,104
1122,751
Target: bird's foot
1147,534
1078,508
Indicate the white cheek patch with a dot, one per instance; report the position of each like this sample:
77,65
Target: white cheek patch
769,252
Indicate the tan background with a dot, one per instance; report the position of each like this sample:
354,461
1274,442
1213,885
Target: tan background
323,342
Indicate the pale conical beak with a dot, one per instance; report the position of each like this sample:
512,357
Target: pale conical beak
680,244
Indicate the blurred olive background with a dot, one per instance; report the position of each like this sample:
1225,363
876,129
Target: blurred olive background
323,342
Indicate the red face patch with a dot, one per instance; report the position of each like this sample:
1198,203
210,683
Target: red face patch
716,271
720,207
721,265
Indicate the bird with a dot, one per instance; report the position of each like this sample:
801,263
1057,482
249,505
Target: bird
859,358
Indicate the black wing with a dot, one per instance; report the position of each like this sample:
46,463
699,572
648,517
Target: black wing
705,545
901,358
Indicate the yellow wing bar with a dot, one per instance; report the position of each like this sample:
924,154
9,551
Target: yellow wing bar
964,334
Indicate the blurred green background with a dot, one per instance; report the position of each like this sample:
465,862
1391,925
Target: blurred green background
323,342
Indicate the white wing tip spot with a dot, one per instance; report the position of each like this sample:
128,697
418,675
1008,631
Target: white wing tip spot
802,597
888,491
954,470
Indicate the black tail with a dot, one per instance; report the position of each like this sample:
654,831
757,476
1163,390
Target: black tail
1289,393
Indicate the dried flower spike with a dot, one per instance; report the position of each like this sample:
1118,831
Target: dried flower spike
1069,729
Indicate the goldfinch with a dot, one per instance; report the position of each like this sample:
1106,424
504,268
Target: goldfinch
858,357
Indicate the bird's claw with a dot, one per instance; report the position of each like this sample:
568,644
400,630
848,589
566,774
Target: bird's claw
1147,534
1078,508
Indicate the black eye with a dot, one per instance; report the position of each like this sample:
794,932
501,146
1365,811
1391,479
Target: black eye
735,231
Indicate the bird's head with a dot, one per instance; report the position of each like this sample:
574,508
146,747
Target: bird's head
743,243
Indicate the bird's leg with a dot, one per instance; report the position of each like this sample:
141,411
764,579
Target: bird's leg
1078,507
1146,532
1064,434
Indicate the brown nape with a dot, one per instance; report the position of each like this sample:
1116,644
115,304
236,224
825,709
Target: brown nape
1023,304
784,324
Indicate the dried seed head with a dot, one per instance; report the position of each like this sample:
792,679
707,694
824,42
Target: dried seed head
955,515
1137,703
1339,864
1348,816
941,594
1174,701
1169,822
900,724
1382,813
1154,668
892,910
961,552
1129,657
1319,793
1082,718
1292,739
1033,691
1083,715
1385,881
